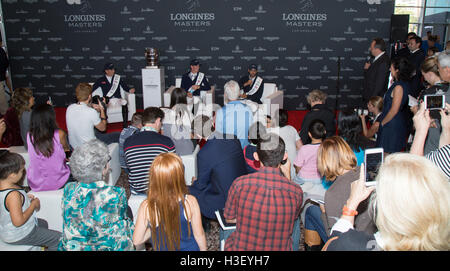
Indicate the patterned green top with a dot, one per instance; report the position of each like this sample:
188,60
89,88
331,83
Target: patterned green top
95,218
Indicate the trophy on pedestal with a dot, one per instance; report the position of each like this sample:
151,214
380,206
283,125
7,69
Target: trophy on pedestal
152,56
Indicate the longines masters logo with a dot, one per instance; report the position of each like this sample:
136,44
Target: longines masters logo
305,20
83,20
192,20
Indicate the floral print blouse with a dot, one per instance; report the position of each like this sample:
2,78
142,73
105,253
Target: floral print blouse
94,218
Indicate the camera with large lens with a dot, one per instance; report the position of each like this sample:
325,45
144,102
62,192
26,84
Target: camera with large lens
96,99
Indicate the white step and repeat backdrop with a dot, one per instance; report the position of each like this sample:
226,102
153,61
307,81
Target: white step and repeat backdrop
55,44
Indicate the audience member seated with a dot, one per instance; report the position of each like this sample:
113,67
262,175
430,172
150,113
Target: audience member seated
350,129
444,65
18,222
430,72
83,117
422,122
288,134
94,214
174,220
22,101
47,146
235,117
393,130
375,107
337,162
256,132
316,99
219,162
177,122
411,208
141,149
307,174
11,135
265,205
133,128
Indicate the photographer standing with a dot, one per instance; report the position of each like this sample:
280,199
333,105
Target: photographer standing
84,117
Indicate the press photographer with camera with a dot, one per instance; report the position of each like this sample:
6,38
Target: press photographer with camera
87,120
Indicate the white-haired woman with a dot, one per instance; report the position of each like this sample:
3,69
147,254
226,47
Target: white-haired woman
94,213
411,208
319,110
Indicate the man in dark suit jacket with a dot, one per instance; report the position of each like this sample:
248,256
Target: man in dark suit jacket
376,72
219,163
111,85
191,82
404,51
416,58
252,85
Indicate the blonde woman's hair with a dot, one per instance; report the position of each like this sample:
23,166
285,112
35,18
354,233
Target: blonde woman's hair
377,102
334,157
412,204
316,96
430,64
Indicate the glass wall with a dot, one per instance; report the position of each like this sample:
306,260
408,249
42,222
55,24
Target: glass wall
427,15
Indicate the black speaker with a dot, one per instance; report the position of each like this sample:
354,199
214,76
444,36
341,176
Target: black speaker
399,27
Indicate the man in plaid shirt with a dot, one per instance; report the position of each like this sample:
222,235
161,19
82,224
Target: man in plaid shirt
264,205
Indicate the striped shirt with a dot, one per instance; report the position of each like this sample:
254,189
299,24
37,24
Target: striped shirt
140,150
441,158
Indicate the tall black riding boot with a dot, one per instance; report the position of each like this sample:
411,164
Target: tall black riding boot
125,116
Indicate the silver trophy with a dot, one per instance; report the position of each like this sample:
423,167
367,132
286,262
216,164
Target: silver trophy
152,56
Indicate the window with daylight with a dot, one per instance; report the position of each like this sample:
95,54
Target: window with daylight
427,15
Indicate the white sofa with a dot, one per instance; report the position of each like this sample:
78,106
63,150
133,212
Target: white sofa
208,97
114,111
272,97
8,247
190,165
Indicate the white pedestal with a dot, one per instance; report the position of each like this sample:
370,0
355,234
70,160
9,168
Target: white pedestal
153,84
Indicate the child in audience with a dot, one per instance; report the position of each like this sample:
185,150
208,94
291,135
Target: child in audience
18,223
135,127
173,222
255,132
306,161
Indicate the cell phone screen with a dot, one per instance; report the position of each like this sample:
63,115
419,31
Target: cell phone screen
373,163
434,102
